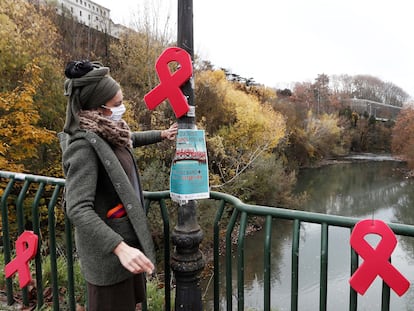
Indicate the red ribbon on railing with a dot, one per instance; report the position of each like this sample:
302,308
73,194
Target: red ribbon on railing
170,83
26,249
376,260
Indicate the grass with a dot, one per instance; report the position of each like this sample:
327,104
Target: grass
155,295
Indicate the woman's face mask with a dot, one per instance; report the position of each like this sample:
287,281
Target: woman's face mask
116,106
117,112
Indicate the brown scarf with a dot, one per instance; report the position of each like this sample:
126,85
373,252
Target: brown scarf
116,133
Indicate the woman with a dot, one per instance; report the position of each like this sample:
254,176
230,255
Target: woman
103,196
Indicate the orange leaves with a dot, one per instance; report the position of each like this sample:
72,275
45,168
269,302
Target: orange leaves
19,134
30,85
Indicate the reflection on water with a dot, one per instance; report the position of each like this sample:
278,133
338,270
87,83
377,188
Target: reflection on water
362,190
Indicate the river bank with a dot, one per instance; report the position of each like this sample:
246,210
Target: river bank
349,158
361,157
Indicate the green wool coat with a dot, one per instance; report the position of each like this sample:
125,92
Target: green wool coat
95,183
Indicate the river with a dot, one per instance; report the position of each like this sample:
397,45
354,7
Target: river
366,187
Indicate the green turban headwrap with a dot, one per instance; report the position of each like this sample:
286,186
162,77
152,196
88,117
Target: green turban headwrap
88,86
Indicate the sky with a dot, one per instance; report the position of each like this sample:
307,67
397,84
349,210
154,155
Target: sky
279,43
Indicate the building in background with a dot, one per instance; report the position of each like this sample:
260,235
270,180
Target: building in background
91,14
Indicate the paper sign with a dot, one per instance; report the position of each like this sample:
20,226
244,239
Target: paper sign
189,171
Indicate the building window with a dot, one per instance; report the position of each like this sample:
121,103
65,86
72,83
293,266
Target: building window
71,10
80,13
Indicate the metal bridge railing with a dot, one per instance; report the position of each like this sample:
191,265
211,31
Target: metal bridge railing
22,192
238,222
235,224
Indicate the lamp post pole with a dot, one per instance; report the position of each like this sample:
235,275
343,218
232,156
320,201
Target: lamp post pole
187,260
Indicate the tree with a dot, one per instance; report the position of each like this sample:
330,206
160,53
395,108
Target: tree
133,60
323,136
240,128
369,87
304,98
19,133
267,182
321,91
403,136
29,39
25,34
212,106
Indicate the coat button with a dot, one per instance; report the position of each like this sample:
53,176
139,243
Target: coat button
129,206
93,140
107,162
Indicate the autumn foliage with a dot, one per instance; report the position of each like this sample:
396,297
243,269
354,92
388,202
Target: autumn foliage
403,136
19,133
31,101
257,137
240,128
254,134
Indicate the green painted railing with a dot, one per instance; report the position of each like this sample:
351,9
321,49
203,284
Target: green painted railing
17,187
21,188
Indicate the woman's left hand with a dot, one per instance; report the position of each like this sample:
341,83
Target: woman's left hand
170,133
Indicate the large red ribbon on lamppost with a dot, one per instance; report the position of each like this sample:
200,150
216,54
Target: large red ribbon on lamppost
170,83
375,260
26,249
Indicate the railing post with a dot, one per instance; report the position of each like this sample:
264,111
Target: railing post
6,237
187,260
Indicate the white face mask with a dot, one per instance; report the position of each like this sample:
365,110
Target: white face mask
117,112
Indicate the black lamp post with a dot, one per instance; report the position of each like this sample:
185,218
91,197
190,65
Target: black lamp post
187,260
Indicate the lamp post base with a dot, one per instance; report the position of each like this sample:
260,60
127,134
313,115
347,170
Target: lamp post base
187,261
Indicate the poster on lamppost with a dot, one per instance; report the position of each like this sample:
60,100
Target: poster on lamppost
189,170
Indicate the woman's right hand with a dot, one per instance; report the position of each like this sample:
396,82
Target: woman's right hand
133,259
171,132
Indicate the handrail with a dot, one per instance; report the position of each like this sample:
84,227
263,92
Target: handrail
33,178
311,217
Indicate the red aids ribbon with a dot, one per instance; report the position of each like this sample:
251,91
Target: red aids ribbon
170,83
26,249
376,260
